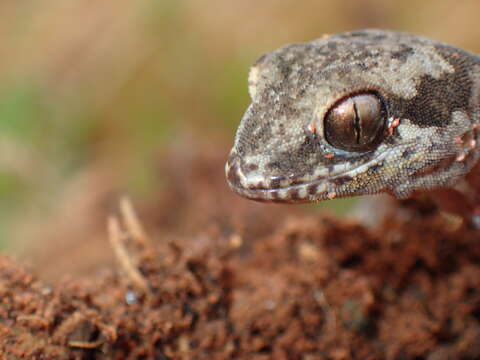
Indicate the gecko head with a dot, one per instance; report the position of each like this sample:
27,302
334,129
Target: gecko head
354,113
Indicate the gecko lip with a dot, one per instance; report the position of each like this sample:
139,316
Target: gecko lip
296,192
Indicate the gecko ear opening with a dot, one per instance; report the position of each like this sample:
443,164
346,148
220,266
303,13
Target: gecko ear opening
356,123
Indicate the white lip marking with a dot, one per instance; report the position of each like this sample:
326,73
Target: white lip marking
302,193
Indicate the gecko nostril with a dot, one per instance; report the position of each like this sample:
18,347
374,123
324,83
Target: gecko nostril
250,167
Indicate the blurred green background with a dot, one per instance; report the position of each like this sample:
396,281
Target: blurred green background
86,85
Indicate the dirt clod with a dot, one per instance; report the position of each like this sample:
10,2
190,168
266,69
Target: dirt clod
223,278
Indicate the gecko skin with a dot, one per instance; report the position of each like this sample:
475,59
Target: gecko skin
357,113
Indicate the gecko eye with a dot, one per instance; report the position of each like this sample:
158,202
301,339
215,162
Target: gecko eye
356,123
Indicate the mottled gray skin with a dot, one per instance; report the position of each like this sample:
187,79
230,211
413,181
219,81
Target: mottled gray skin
429,89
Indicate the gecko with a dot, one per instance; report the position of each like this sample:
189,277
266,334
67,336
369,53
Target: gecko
357,113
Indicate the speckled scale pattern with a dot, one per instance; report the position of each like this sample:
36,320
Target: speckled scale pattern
430,91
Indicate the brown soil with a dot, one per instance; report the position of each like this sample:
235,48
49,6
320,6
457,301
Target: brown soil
220,277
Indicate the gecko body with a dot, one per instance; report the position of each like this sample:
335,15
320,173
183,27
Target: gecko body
357,113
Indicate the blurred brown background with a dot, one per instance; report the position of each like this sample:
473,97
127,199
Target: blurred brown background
103,87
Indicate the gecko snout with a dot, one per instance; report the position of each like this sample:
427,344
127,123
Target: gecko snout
247,181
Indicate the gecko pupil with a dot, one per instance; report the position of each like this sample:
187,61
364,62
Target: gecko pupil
356,123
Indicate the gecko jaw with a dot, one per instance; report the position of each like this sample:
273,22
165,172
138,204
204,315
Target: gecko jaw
294,189
298,193
266,190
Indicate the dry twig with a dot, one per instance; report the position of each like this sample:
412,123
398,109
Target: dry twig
117,238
